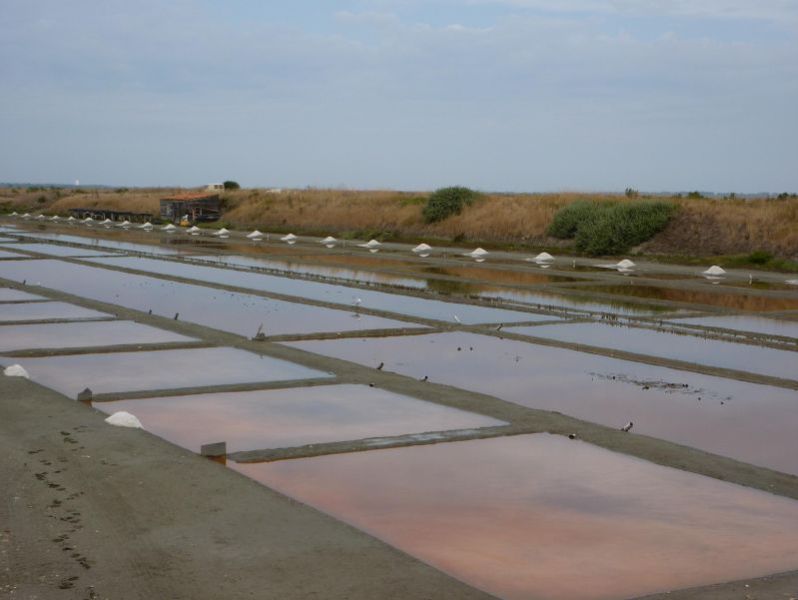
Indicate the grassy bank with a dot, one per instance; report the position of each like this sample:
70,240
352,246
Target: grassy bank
699,227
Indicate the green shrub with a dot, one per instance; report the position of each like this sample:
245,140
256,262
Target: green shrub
567,220
231,185
445,202
610,228
760,257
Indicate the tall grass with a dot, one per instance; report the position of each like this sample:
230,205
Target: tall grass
700,226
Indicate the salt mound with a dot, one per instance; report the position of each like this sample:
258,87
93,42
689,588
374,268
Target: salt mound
70,218
422,248
626,264
372,244
290,238
124,419
16,371
221,232
146,225
107,222
193,230
477,253
26,216
792,282
168,227
544,257
124,223
329,241
55,218
14,214
255,235
715,270
40,217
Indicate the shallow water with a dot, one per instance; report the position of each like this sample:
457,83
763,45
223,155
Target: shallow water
754,423
562,300
162,369
748,302
112,245
716,353
234,312
42,311
753,324
292,417
324,271
541,516
407,305
55,250
11,295
79,335
8,254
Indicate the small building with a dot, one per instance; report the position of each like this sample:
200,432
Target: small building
214,187
198,207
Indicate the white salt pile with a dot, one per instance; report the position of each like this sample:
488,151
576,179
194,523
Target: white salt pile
289,239
255,235
193,230
372,244
146,225
124,419
626,264
329,241
422,250
16,371
221,232
544,257
715,271
792,282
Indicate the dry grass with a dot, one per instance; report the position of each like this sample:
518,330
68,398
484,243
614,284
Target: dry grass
701,227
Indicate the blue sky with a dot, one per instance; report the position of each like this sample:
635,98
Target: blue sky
500,95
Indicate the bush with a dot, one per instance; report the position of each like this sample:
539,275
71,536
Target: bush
760,257
445,202
610,228
231,185
567,220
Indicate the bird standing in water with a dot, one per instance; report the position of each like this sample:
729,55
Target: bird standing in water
628,426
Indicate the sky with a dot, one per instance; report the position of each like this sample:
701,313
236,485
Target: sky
498,95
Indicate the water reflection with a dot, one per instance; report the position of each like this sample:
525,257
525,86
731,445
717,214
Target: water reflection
293,417
542,516
78,335
752,423
42,311
164,369
716,353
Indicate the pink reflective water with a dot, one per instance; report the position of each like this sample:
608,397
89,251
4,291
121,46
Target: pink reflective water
79,335
749,422
42,311
164,369
292,417
544,517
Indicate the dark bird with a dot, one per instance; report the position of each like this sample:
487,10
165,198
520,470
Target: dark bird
379,368
177,314
571,436
628,426
499,328
425,378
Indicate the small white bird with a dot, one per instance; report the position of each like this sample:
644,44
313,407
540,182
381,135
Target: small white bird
456,319
628,426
